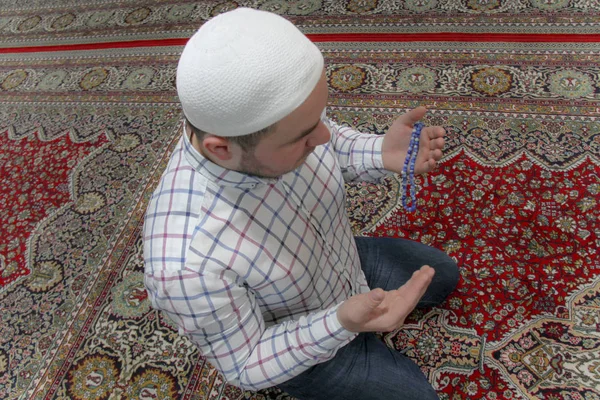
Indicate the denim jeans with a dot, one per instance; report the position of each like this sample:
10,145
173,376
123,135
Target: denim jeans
366,368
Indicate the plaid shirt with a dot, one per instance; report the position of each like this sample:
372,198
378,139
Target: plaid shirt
252,270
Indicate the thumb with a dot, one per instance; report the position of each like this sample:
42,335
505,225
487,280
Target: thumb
359,309
375,297
413,116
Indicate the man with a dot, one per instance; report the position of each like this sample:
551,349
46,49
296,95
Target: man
247,245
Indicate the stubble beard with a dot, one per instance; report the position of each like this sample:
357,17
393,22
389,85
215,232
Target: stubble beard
251,166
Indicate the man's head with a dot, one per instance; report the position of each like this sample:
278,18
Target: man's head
251,83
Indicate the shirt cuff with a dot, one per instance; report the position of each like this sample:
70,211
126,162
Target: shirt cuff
336,336
374,163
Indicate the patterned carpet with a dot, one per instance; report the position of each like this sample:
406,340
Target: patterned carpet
89,116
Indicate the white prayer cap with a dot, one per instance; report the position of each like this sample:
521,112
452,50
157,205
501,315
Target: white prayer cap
244,70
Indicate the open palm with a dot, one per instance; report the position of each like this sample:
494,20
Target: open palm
397,139
380,310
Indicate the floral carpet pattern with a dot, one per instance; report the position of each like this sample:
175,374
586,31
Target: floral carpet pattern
86,132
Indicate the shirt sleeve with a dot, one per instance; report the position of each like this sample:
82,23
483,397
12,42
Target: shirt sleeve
223,319
359,154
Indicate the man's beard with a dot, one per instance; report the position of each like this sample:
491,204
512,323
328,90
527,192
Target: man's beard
251,166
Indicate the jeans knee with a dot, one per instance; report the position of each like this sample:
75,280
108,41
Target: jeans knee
451,277
447,269
431,396
445,280
453,274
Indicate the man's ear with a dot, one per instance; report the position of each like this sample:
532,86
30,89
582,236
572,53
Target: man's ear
219,147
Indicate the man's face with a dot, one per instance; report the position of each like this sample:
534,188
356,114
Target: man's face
294,138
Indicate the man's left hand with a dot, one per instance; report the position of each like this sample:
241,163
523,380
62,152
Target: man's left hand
397,139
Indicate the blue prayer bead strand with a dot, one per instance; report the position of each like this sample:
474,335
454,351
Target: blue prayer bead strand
409,169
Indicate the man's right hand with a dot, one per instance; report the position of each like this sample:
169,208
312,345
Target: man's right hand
381,311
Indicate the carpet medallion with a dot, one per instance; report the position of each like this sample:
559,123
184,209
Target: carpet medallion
86,134
27,156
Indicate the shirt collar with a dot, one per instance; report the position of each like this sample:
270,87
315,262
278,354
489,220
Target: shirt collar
215,173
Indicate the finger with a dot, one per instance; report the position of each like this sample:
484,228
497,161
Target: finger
433,132
367,305
376,296
425,270
409,294
413,116
370,301
436,155
436,143
416,286
431,163
426,165
355,313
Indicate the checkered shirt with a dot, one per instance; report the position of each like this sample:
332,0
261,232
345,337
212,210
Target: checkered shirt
252,270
